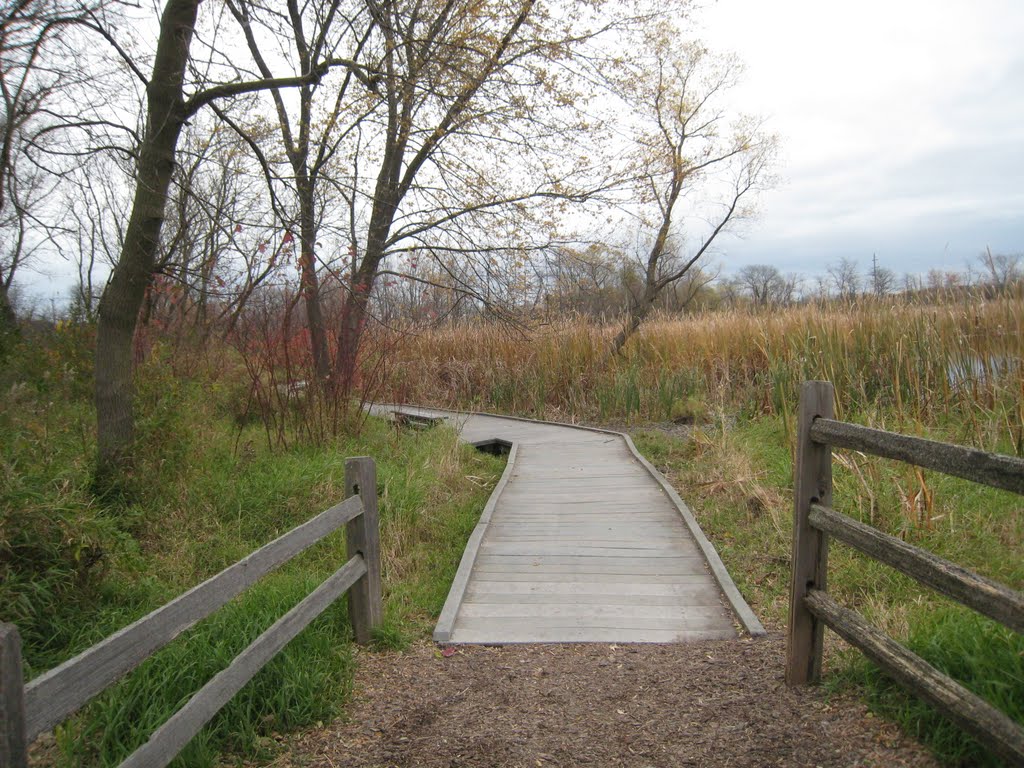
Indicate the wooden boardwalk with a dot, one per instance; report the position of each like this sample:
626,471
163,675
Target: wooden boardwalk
583,541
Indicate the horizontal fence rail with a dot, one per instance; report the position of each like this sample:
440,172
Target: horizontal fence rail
815,522
28,710
985,596
993,469
172,736
970,712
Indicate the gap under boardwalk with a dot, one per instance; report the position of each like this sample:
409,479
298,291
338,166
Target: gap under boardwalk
581,543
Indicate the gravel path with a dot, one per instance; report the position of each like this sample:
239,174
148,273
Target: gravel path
704,704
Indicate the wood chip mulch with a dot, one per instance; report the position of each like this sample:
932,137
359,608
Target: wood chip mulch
702,704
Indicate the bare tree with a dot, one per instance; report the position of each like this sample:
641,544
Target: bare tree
34,67
911,283
764,283
477,140
312,128
168,108
845,278
92,203
684,140
793,287
687,290
1003,269
883,279
582,280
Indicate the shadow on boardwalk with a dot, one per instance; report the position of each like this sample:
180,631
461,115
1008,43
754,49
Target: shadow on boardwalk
703,704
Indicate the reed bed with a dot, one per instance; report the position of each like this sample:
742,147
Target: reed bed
897,363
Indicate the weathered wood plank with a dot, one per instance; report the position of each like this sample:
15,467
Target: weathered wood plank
993,469
586,528
54,695
695,567
695,600
635,588
168,740
586,577
416,420
525,514
13,743
813,483
537,548
622,488
514,635
604,540
986,723
628,563
365,601
524,622
583,496
985,596
676,613
605,535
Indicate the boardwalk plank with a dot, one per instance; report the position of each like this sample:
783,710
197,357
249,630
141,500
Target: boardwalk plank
582,549
588,577
563,564
593,613
680,601
608,621
634,588
513,633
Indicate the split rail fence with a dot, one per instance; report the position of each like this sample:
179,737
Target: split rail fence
29,710
815,522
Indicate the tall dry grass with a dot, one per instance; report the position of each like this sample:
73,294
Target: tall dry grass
900,363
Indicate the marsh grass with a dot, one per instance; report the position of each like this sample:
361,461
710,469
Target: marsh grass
914,365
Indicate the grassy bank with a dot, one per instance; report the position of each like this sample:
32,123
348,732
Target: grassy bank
738,480
205,493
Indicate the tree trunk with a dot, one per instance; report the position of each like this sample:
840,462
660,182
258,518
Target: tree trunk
637,314
350,330
353,316
310,282
8,320
126,289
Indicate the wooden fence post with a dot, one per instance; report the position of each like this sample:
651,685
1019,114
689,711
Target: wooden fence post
364,598
13,746
813,483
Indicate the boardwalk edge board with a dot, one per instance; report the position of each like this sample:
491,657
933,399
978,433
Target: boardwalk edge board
446,621
746,617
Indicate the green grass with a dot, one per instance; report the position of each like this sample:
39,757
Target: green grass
985,657
738,481
306,683
204,494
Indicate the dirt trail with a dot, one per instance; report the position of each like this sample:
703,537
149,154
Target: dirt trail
721,703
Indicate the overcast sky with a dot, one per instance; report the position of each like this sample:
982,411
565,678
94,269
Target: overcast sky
902,124
902,128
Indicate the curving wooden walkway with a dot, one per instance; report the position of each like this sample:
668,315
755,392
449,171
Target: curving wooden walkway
583,541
